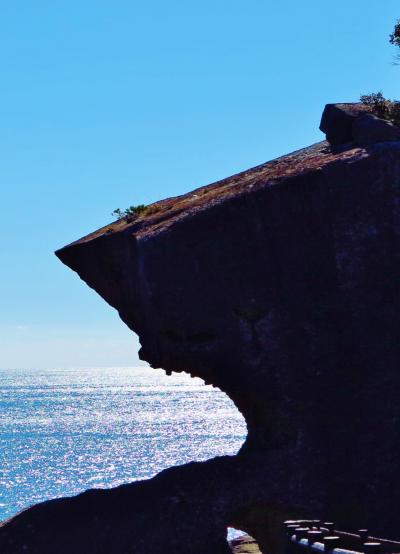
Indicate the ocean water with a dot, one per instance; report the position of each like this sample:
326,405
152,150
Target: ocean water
63,431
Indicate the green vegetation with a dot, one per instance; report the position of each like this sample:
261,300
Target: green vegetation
378,103
395,36
131,211
134,211
382,107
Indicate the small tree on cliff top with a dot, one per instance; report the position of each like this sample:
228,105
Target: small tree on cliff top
395,36
381,106
395,40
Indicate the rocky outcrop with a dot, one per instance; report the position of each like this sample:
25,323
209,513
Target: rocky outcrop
369,129
279,285
355,123
337,121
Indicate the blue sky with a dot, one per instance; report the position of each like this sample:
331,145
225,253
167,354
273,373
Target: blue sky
104,104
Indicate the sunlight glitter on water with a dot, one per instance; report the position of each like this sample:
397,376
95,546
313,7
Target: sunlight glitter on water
63,431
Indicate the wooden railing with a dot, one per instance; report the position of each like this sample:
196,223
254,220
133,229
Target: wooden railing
319,536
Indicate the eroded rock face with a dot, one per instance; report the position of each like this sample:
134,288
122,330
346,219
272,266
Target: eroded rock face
280,286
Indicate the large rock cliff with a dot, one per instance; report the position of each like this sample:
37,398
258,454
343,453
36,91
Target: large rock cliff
279,285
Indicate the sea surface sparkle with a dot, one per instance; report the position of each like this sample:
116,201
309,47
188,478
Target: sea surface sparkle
63,431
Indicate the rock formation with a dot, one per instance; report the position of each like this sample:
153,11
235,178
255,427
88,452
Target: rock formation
356,123
280,285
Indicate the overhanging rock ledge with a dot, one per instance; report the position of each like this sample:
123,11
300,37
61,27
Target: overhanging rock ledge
280,285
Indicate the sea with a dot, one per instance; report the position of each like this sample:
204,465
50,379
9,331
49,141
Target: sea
63,431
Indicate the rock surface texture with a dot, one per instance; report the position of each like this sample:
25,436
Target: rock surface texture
280,285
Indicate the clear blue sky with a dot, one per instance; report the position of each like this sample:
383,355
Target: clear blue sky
104,104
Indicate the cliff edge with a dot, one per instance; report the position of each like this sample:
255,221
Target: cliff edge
280,285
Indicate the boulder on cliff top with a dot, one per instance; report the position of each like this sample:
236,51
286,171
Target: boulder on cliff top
369,129
356,123
337,121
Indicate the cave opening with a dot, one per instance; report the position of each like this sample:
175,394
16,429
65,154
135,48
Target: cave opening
200,418
103,427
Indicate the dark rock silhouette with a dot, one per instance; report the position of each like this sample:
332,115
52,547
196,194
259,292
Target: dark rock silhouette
356,123
279,285
369,129
337,121
183,509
